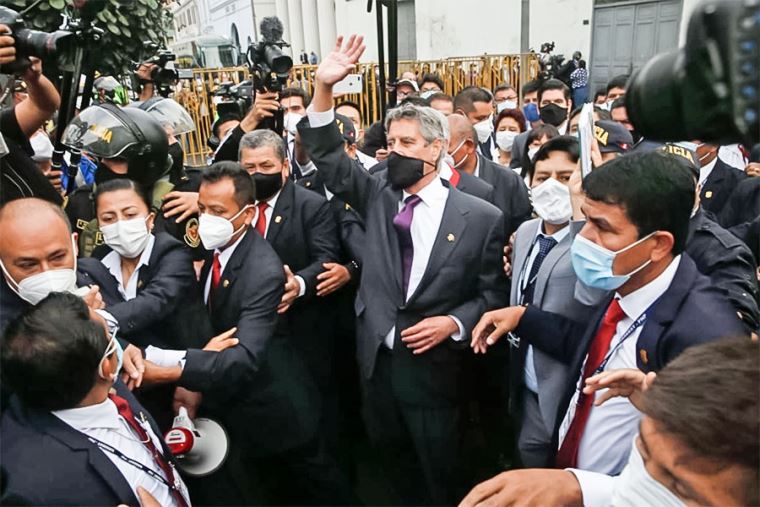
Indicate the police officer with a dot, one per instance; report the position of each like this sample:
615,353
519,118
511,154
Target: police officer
127,143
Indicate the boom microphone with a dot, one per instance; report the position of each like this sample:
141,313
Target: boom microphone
271,29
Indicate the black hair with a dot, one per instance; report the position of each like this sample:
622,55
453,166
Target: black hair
295,92
567,144
245,188
502,87
353,105
544,129
120,184
468,96
51,352
654,189
600,92
618,102
531,86
224,119
617,82
553,84
432,78
415,100
575,112
582,64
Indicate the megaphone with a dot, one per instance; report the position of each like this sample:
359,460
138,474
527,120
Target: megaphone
200,447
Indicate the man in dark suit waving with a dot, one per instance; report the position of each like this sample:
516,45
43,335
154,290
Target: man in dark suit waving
431,262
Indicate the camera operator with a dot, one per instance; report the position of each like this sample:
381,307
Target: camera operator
265,106
147,88
19,175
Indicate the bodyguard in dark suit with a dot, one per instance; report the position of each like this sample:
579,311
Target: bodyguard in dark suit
717,179
741,215
658,308
510,193
66,427
431,263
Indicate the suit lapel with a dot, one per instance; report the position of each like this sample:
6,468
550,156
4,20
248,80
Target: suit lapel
484,170
229,274
281,212
544,272
453,224
522,251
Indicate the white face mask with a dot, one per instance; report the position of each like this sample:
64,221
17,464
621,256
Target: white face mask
635,487
505,139
290,120
128,238
532,152
428,93
215,232
506,104
551,201
453,164
35,288
484,129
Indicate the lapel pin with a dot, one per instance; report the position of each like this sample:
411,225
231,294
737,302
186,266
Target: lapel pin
139,284
226,284
708,194
277,219
450,238
644,356
308,183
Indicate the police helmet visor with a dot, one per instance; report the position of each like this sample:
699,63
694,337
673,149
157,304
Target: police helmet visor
99,132
169,113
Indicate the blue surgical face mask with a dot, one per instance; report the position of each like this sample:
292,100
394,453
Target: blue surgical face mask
593,263
113,346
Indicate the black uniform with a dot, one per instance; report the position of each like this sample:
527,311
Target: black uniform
728,262
719,185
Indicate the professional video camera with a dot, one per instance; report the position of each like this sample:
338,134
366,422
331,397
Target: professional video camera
232,98
710,89
164,75
553,66
269,65
59,44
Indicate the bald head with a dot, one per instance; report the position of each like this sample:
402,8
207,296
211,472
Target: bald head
461,128
35,236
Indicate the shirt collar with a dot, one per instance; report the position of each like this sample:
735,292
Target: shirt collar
272,201
101,415
446,171
476,172
704,171
225,254
638,301
557,236
433,191
113,260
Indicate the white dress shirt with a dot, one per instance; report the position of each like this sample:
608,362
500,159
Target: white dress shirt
531,381
103,422
268,212
113,262
606,441
706,170
366,161
425,223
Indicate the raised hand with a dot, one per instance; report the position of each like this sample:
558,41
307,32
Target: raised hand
341,62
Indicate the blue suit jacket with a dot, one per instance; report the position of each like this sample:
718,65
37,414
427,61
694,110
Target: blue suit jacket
47,462
691,311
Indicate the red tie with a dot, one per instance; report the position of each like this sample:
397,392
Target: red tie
216,275
126,412
455,177
261,221
567,457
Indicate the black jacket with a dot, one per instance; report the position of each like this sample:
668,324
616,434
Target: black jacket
510,193
719,186
728,262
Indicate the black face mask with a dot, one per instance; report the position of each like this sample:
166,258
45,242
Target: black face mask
104,173
553,114
403,172
267,185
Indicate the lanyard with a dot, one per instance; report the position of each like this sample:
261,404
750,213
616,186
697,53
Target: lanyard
636,324
524,284
108,448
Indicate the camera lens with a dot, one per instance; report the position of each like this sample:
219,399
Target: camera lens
42,44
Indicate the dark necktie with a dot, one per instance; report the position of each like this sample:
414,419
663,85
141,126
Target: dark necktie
403,224
122,406
567,457
545,245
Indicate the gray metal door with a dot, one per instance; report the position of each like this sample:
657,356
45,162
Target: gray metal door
407,34
627,34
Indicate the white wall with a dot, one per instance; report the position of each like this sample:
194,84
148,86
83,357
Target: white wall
688,8
352,17
561,21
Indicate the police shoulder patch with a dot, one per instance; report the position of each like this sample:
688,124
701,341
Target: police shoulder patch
192,239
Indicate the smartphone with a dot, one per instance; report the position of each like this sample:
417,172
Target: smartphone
350,84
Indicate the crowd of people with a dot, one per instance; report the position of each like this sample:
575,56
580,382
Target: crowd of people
434,309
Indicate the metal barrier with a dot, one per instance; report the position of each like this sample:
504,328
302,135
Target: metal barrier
487,71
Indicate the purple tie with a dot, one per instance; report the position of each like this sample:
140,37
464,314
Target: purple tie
403,224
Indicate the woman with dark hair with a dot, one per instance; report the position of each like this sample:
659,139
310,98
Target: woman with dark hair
536,138
508,124
147,282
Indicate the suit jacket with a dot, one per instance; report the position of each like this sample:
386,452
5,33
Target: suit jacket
691,311
728,262
510,193
463,277
554,292
47,462
719,186
518,149
258,389
468,183
168,311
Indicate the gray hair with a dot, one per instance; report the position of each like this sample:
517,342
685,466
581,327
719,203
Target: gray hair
261,138
433,124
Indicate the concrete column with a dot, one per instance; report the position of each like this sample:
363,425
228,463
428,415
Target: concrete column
296,27
327,26
310,26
